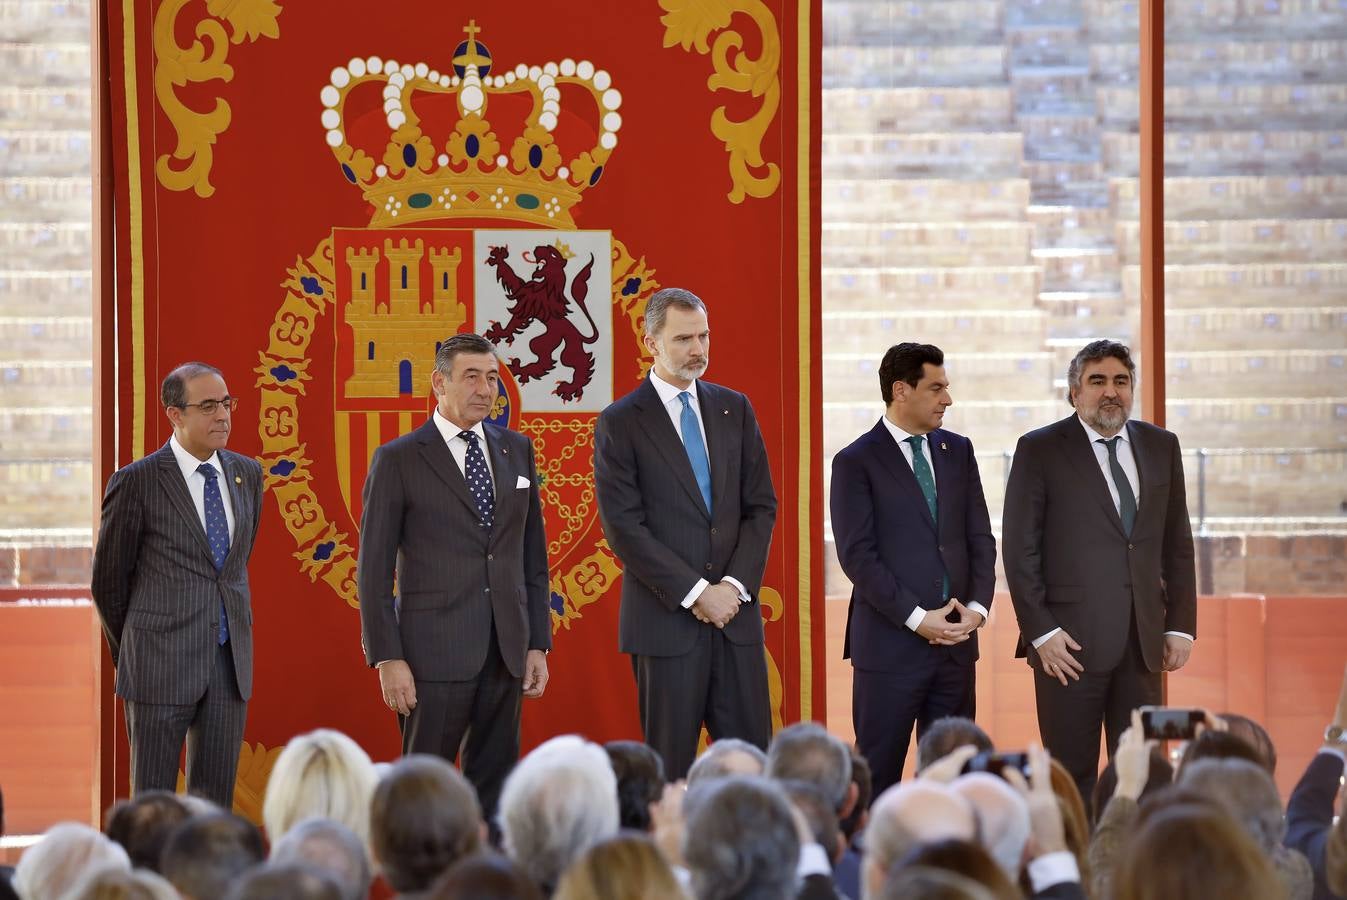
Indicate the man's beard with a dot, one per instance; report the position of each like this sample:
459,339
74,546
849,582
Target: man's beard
1109,417
692,370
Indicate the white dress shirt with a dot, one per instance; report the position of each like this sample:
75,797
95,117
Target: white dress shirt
668,395
196,483
1128,461
458,446
915,618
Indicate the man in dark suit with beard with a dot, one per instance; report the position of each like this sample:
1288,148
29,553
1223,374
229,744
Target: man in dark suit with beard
913,535
1099,559
687,504
453,509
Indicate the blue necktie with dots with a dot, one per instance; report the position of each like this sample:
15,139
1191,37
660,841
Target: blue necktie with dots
217,534
696,450
926,481
479,479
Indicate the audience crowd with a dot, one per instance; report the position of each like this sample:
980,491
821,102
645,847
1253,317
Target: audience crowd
579,821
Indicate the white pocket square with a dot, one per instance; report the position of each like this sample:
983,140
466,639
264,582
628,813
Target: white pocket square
521,482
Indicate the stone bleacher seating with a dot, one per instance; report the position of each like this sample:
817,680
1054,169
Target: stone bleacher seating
1249,152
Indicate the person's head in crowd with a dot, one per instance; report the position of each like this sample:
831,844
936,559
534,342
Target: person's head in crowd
1246,791
1161,776
1212,744
1190,849
907,814
1003,818
740,839
964,858
1075,822
67,853
115,883
1256,736
200,806
330,846
816,808
142,825
424,817
929,883
946,735
560,800
206,854
286,881
806,751
1335,858
484,876
620,867
640,781
853,823
727,756
322,773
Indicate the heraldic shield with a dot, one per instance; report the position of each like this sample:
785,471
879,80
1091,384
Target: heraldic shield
562,305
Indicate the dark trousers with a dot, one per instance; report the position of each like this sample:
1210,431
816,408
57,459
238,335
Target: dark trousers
886,705
477,719
1070,718
717,682
212,728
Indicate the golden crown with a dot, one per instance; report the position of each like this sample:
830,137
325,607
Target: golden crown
470,175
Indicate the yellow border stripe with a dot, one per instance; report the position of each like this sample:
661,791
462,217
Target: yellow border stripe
134,235
804,302
341,429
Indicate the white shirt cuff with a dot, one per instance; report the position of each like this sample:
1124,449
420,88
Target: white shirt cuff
914,620
1181,634
1334,751
813,861
1044,639
979,609
701,585
743,592
1052,868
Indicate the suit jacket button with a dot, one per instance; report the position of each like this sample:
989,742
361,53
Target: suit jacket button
708,567
489,557
714,531
1131,547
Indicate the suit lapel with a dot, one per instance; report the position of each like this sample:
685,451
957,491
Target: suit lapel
894,461
1076,447
714,417
502,469
238,502
170,476
1146,454
436,454
655,419
943,474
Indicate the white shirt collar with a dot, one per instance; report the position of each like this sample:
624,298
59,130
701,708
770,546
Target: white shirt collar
449,431
668,392
189,463
1096,436
899,434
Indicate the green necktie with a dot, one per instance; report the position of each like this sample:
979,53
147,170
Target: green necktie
926,480
1127,501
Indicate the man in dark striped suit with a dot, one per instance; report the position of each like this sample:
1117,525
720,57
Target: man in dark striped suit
170,581
685,495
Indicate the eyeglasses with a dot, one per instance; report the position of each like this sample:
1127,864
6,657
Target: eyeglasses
210,407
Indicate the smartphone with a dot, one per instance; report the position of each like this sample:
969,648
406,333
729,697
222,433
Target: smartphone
997,763
1164,723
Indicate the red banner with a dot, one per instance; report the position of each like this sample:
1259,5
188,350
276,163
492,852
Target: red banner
310,195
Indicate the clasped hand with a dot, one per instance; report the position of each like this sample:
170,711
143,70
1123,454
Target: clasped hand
717,604
938,629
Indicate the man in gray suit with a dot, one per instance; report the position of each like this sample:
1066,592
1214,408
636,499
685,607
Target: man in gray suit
170,581
1099,560
686,500
452,509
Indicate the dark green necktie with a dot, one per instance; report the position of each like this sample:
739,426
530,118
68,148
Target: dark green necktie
1127,501
926,480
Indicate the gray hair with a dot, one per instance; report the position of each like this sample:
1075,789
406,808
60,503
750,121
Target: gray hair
112,881
657,307
716,761
173,392
293,881
68,852
741,840
806,751
1246,791
456,344
1093,352
1003,818
559,801
332,847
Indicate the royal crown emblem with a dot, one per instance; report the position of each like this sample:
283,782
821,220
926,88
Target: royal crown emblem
438,164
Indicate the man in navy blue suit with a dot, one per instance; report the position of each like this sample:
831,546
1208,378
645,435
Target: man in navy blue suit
913,535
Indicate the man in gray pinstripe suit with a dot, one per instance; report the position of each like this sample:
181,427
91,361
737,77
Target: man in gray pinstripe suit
685,495
453,510
170,581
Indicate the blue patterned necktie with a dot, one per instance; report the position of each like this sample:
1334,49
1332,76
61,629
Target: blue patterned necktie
479,479
696,448
1127,501
926,481
217,533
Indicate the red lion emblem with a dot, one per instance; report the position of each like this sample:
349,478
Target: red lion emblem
543,299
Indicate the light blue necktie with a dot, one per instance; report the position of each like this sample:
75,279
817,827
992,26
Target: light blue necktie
696,448
217,534
926,481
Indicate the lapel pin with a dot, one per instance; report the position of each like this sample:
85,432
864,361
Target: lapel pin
505,451
724,412
238,479
944,446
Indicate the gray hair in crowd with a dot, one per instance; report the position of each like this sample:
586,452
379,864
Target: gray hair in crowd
806,751
332,847
67,853
727,756
741,840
